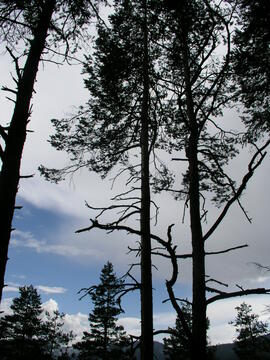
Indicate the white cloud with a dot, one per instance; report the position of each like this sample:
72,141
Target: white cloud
5,306
77,323
57,198
27,240
221,334
261,279
11,287
164,320
95,246
22,277
14,287
132,325
51,305
51,289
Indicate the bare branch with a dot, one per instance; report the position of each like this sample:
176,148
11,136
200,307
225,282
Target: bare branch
15,22
178,299
5,88
213,290
179,159
226,250
240,287
17,66
222,296
95,10
168,331
216,281
253,164
26,176
3,133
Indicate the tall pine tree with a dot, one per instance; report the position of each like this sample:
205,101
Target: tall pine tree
121,120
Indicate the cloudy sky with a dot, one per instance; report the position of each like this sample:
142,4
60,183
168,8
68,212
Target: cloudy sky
46,252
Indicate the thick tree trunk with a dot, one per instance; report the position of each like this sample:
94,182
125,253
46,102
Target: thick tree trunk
198,341
199,324
146,265
10,172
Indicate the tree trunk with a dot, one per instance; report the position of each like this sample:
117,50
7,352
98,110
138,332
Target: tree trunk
199,326
198,342
146,266
10,172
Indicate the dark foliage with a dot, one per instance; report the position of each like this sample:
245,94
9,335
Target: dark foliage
106,339
252,64
251,342
24,335
21,331
176,346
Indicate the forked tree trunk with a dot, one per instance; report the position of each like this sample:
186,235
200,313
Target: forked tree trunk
16,135
146,266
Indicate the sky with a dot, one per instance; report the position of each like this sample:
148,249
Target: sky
45,251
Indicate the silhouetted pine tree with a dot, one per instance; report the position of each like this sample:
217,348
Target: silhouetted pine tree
21,331
54,338
176,347
250,344
26,334
121,119
106,340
